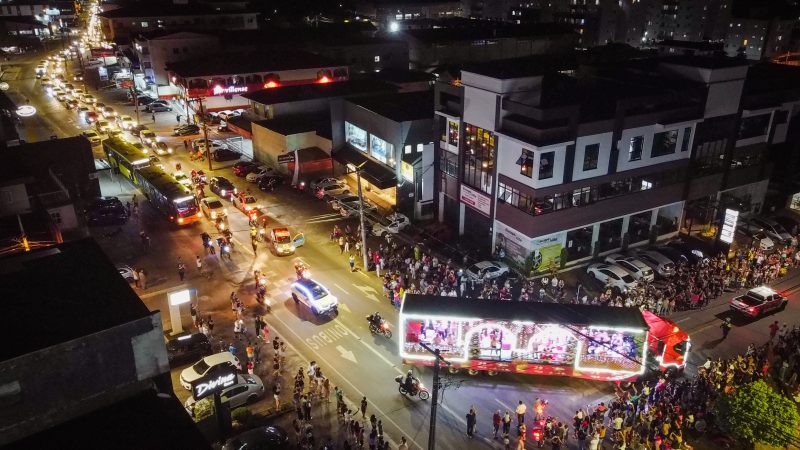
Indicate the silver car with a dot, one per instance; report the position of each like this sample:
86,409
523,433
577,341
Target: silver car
658,262
248,389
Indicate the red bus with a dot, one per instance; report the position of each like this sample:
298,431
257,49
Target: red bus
584,341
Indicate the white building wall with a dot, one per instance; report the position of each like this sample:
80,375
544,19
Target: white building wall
480,107
604,156
648,132
508,152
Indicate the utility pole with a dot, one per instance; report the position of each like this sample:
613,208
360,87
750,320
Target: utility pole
205,134
361,216
135,102
438,360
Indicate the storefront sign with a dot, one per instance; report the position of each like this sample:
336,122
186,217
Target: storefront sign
219,90
476,200
219,378
729,226
286,158
26,111
407,170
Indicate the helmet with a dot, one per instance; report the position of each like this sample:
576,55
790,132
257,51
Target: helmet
376,313
409,372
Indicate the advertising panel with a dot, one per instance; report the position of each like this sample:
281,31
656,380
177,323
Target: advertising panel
217,379
728,231
476,200
546,250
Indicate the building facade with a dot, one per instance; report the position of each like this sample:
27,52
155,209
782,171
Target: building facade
156,50
558,169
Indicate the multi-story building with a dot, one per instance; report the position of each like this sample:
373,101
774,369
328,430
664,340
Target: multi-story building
58,13
156,49
759,38
388,13
558,165
123,23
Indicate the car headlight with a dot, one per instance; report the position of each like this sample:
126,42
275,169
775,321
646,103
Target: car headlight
292,248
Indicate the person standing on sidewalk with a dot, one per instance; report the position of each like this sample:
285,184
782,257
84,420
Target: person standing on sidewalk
181,268
471,421
364,407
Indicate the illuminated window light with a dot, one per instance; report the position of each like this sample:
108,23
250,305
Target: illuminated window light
270,84
324,79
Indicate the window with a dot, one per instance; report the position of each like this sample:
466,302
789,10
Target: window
377,58
664,143
448,163
687,134
754,126
452,133
635,149
407,149
546,162
420,147
590,155
381,150
525,163
478,149
145,24
355,136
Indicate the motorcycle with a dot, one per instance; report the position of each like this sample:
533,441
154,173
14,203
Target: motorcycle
419,389
219,223
543,430
224,249
382,329
207,243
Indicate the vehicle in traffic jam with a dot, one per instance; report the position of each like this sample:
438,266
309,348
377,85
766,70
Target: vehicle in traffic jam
222,187
758,302
244,202
212,207
282,243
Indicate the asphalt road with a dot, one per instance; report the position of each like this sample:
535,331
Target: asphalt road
356,361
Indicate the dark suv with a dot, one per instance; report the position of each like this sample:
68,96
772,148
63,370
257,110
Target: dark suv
222,187
188,349
106,211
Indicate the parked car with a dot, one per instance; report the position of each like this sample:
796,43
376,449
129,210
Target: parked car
322,182
789,224
340,200
261,438
660,264
106,211
773,229
222,187
93,137
200,368
758,302
184,349
691,252
186,130
212,207
269,182
352,209
332,190
157,107
248,389
224,155
242,168
672,254
632,265
255,175
487,270
144,100
391,224
126,272
612,275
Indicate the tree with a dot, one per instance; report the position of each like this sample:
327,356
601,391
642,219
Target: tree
755,413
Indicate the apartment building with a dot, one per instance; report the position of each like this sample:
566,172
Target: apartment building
560,165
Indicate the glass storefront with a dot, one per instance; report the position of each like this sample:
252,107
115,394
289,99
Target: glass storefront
610,236
669,218
579,243
639,227
479,149
381,150
355,136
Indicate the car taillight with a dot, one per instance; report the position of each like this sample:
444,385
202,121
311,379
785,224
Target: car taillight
751,309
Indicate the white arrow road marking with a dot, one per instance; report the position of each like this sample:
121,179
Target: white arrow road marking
341,289
368,292
377,353
345,308
346,354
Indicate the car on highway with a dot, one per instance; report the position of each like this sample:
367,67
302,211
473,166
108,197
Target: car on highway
660,264
634,266
212,207
245,203
354,209
248,389
61,98
93,137
89,116
147,136
188,348
222,187
200,368
102,126
89,99
161,148
224,155
612,275
125,122
242,168
186,130
261,438
255,175
487,270
315,297
108,112
391,224
758,302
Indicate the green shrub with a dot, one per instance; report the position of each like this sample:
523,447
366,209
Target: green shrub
241,415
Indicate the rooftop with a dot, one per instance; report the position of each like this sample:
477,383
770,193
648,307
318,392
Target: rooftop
83,294
403,76
249,62
294,124
286,94
522,67
144,421
162,9
429,305
470,30
403,107
705,62
694,45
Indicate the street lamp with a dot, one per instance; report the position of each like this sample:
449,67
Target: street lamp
358,170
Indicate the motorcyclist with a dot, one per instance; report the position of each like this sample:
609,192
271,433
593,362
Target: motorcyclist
376,320
206,238
410,383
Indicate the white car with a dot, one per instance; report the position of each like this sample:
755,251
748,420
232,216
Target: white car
248,389
395,223
256,175
126,272
200,144
212,207
352,209
182,178
613,275
93,137
638,269
343,199
487,270
200,368
332,190
315,297
245,203
126,122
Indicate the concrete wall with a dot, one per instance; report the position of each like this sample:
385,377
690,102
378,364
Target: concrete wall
188,46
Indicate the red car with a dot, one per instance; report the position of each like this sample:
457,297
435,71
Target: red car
242,168
91,117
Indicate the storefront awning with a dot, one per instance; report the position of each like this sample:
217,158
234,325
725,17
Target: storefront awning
374,172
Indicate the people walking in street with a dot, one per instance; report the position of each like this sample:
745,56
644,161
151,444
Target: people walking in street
506,423
352,261
773,330
193,313
471,421
497,420
364,407
210,325
276,394
726,327
521,409
181,268
154,117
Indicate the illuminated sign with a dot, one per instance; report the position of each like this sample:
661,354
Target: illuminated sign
180,297
219,90
218,378
26,111
729,226
408,171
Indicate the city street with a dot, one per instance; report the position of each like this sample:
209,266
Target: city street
361,364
